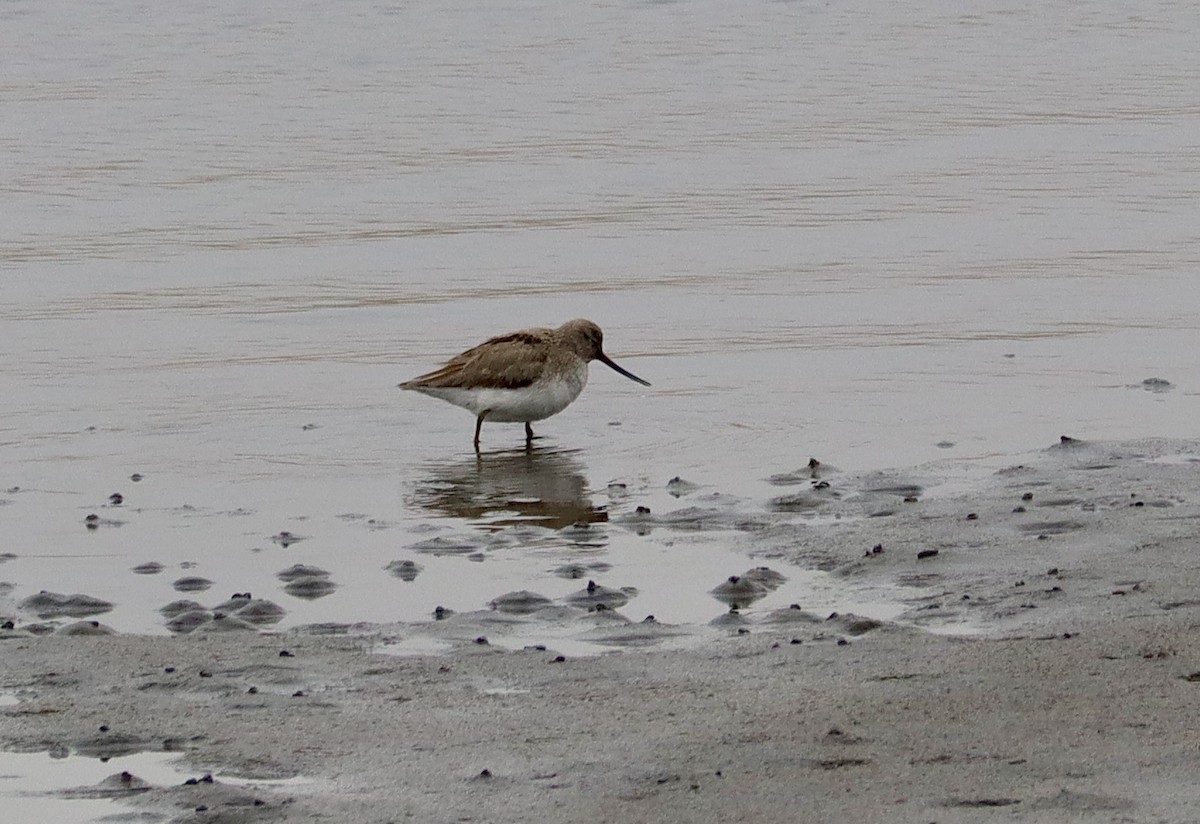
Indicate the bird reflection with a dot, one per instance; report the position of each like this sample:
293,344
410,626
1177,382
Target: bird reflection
540,486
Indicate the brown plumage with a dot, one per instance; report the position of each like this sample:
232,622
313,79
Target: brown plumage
522,376
504,362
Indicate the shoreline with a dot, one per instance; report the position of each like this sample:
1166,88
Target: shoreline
1077,702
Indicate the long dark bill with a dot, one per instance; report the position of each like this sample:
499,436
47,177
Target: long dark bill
604,359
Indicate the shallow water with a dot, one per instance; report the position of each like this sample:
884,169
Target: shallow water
45,788
875,235
31,784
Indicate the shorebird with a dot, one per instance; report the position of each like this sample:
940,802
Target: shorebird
520,377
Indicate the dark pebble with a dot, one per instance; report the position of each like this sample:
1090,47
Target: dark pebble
116,499
298,694
285,654
205,674
481,640
971,516
1028,496
842,642
135,477
558,659
926,553
104,728
252,691
168,669
795,641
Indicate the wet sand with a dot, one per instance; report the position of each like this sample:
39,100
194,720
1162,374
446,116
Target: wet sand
1062,681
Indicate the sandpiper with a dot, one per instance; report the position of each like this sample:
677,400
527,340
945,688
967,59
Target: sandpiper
522,376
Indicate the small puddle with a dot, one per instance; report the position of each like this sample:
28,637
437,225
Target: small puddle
415,645
679,616
43,788
1181,459
32,784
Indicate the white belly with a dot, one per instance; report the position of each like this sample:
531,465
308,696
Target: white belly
531,403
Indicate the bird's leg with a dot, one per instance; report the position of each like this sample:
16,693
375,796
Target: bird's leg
478,426
528,434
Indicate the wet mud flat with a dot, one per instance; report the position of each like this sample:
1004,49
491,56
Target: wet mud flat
1046,667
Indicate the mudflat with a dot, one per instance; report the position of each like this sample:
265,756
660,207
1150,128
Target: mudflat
1048,669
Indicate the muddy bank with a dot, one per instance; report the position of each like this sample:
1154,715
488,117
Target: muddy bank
893,723
1072,699
1066,533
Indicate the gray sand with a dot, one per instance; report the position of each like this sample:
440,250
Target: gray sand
1075,699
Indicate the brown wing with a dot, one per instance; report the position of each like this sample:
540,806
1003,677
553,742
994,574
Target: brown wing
505,362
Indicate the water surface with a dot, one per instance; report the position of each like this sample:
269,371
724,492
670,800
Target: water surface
872,234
